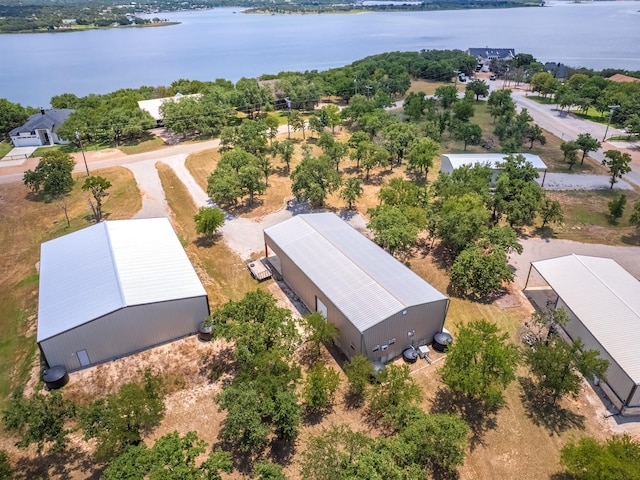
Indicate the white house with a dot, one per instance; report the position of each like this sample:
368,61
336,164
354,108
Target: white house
153,106
41,129
113,289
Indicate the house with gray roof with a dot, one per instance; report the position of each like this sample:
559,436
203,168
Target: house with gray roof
485,55
41,129
378,304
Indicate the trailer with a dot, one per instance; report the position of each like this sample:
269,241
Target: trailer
259,269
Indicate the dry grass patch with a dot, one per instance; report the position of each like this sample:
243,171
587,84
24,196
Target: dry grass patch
153,144
221,271
429,87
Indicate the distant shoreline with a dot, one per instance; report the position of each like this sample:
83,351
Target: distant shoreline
87,28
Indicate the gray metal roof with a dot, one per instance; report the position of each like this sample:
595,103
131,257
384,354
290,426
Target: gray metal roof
362,280
492,159
487,52
606,299
50,119
95,271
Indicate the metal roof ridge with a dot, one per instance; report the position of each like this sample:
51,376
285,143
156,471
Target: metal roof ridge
358,264
114,264
578,257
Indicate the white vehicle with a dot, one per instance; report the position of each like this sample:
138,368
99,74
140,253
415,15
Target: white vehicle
485,68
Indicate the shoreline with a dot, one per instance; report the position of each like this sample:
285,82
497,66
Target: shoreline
76,30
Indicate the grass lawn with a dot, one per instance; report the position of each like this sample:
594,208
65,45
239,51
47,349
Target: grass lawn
5,147
429,88
26,224
149,145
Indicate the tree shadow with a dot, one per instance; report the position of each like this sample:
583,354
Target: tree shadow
207,241
282,451
632,238
480,419
443,256
63,466
242,461
543,413
314,416
213,365
353,400
545,232
440,473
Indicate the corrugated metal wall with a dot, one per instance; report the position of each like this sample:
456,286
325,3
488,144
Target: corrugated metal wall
416,327
126,331
618,380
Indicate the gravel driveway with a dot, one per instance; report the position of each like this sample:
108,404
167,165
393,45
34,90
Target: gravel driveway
568,181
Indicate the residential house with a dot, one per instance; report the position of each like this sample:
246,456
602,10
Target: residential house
41,129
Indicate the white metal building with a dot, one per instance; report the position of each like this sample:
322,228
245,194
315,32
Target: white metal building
603,303
379,305
115,288
452,161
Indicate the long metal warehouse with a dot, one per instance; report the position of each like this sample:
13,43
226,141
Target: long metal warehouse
602,301
115,288
453,161
378,304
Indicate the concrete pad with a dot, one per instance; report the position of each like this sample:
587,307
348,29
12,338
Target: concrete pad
17,156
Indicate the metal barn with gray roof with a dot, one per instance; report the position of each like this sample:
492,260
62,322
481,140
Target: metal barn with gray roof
113,289
602,301
379,305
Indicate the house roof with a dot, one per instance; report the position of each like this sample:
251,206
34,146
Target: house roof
50,119
153,106
493,159
111,265
362,280
492,52
620,78
606,299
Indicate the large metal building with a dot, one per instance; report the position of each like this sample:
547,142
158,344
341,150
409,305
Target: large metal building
453,161
113,289
378,304
602,301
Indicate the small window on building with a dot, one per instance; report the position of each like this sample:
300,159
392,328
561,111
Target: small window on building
352,347
384,347
376,348
392,341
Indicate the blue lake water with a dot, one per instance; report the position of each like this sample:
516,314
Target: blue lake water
224,43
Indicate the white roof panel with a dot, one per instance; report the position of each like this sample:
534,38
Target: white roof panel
493,159
95,271
364,282
606,299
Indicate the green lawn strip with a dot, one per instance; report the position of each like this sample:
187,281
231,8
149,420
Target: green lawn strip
5,147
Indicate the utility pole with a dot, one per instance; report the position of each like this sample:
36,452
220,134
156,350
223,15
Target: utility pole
355,80
368,87
82,150
288,100
611,109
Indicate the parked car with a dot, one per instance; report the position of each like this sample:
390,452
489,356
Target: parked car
492,77
462,78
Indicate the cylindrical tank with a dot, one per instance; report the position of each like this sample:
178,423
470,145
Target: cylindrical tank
441,341
55,377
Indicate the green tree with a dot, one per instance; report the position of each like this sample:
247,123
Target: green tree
516,194
314,179
616,206
421,154
414,105
52,178
360,143
550,211
463,110
398,137
320,386
223,186
121,419
462,220
267,470
328,453
12,115
533,133
285,149
481,363
500,104
331,116
635,215
394,388
351,191
392,229
40,419
318,330
617,457
480,271
479,88
558,366
172,457
98,187
272,125
250,178
358,370
6,472
297,122
618,164
286,414
208,220
587,143
447,95
467,133
570,153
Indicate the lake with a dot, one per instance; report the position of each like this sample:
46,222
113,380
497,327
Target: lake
224,43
